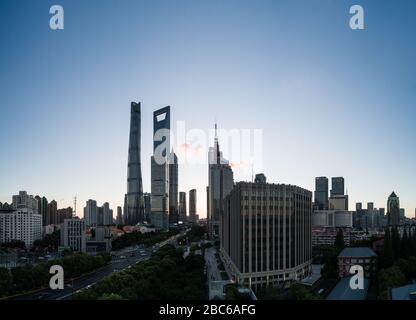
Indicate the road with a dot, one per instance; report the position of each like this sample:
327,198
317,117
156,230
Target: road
121,260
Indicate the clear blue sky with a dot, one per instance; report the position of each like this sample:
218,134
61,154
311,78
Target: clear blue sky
330,101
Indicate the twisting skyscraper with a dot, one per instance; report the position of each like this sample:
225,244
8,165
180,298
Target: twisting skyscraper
133,200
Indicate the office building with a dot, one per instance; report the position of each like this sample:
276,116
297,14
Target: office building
321,193
133,200
43,210
337,186
370,206
182,207
338,202
160,168
393,210
173,189
192,206
266,239
220,183
73,234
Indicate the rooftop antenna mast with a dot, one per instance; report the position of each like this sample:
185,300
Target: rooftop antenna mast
75,206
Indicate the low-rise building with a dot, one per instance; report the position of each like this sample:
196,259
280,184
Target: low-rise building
363,256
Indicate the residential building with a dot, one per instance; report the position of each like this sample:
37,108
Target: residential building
73,234
363,256
192,206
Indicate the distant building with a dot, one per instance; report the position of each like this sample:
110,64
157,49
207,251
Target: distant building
267,234
52,212
192,206
43,210
182,207
393,210
220,183
321,193
325,236
65,213
402,215
21,221
91,213
370,206
73,234
260,178
332,218
337,186
173,189
338,202
363,256
101,242
107,214
119,218
358,206
147,206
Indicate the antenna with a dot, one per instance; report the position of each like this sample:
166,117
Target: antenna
75,206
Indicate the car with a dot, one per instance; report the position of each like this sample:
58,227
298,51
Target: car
43,295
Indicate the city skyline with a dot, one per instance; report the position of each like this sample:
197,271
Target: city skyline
353,118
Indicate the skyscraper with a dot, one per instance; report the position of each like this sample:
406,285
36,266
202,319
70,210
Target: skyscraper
173,188
192,205
160,168
393,210
147,206
337,186
220,183
52,212
321,193
107,214
119,218
133,200
182,207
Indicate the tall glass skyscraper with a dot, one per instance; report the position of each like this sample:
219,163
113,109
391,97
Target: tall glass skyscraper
160,168
321,193
133,200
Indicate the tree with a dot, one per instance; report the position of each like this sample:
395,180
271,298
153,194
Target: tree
387,255
6,282
390,278
339,240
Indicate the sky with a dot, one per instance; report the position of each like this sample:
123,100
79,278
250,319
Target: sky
329,100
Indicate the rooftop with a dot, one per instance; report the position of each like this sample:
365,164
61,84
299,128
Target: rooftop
404,293
358,252
343,291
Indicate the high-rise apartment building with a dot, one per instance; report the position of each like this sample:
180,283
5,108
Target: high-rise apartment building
266,238
21,221
133,200
160,168
119,218
91,213
107,214
52,212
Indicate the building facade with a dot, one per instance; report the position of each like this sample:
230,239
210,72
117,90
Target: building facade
321,193
173,189
73,234
267,234
393,210
192,206
182,207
